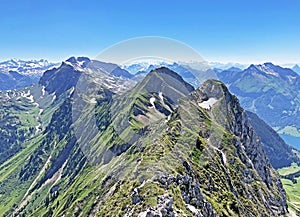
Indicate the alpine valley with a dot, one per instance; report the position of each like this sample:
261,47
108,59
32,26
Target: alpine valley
92,139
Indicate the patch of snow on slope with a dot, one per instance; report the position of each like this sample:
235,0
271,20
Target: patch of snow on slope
160,94
43,91
72,90
152,100
193,210
223,155
54,97
268,70
93,101
208,104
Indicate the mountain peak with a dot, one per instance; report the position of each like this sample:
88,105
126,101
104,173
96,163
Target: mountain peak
296,68
213,89
169,76
167,82
234,69
252,66
275,70
78,62
167,71
264,69
269,64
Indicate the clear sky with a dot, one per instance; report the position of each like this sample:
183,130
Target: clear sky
220,30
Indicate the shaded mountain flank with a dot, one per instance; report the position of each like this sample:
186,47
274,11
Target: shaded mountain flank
279,153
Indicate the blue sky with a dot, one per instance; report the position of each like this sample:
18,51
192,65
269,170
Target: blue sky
237,31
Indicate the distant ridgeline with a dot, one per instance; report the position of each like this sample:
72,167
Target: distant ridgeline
15,74
271,92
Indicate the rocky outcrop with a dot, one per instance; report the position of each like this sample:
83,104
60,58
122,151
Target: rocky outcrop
190,190
163,208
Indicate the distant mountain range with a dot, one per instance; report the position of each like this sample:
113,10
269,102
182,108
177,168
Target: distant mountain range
16,74
26,67
270,91
296,68
224,66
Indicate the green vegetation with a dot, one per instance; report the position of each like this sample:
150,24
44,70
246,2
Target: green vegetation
292,188
293,192
289,170
290,130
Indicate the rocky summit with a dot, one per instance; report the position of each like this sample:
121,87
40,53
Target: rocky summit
155,148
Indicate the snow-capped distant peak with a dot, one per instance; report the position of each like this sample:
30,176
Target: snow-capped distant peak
267,68
79,62
296,68
145,64
26,67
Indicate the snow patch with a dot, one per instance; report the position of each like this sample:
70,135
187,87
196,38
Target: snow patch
152,100
168,118
30,98
38,128
193,209
54,97
223,155
93,101
267,70
43,91
208,104
7,96
72,90
40,112
224,158
291,78
160,94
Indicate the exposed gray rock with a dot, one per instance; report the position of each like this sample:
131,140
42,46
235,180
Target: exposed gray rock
135,197
190,192
163,208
